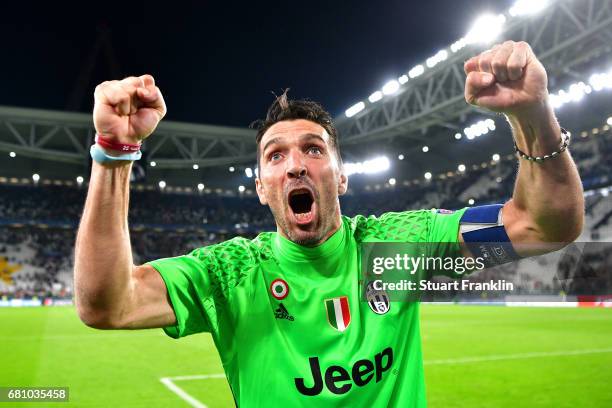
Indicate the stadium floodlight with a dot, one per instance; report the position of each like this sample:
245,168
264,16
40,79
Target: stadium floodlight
403,79
195,166
390,87
425,149
525,7
577,91
461,167
355,109
392,181
498,179
248,172
427,176
375,97
162,184
436,59
459,44
376,165
457,135
485,29
597,82
256,171
430,62
416,71
471,201
607,79
609,121
559,99
200,187
400,157
12,154
152,164
79,179
241,189
479,128
600,81
495,157
232,169
35,177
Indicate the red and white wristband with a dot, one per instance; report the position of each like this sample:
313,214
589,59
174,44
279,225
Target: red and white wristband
118,147
131,152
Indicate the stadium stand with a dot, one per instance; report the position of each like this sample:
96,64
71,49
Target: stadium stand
38,222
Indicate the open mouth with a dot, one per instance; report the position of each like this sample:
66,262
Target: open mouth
301,203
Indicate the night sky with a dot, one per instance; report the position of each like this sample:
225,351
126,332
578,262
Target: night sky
218,62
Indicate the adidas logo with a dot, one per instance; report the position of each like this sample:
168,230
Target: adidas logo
282,313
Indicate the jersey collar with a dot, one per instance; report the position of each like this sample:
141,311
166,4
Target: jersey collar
289,250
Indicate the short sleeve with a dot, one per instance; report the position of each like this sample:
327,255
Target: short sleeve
443,240
443,232
423,226
201,285
188,283
405,226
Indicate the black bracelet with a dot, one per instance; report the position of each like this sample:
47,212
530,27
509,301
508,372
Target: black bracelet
565,141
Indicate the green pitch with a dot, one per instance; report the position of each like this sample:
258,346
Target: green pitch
474,357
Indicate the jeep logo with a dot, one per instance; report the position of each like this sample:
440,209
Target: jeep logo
338,379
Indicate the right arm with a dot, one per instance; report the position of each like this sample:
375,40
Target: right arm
110,292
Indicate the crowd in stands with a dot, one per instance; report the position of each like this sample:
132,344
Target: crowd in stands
38,223
41,255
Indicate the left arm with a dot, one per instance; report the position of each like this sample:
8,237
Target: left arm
547,204
546,211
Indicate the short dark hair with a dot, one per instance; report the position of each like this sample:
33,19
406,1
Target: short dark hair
284,108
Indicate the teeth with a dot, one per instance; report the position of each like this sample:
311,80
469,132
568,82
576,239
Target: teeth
303,216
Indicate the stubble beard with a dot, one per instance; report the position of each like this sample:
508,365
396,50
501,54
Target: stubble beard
306,238
304,241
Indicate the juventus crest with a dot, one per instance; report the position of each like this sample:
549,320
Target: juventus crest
378,300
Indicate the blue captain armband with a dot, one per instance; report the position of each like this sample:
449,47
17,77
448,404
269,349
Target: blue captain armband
483,231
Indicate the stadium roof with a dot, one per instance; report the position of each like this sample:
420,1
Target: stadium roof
417,120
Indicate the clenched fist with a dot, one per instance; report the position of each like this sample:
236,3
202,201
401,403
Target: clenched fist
508,79
129,110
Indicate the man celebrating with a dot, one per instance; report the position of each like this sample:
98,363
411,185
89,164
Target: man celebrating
284,308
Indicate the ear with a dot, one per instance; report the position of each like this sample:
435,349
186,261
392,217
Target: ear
342,184
260,192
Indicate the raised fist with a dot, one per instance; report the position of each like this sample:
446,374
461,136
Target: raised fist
508,79
129,110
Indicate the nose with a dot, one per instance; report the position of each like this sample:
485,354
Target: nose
295,166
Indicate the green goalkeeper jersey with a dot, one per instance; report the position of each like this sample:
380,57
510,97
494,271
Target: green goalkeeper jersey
288,320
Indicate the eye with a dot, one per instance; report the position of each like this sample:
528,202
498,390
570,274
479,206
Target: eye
315,150
275,156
